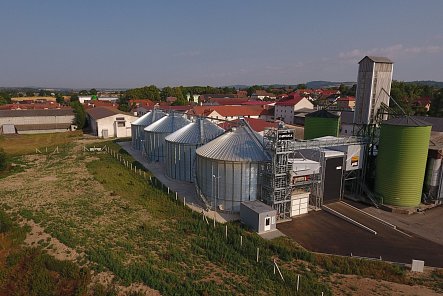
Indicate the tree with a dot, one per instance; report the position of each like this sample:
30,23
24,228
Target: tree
80,114
301,86
3,161
93,91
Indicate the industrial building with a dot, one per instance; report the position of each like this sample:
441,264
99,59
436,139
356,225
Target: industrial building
373,88
106,122
138,126
228,168
375,156
182,144
155,134
36,121
258,216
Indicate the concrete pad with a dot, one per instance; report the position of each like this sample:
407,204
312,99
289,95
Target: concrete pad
271,234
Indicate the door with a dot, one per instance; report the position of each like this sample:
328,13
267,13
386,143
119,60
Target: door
267,223
332,180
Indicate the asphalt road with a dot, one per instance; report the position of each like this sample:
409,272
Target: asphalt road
323,232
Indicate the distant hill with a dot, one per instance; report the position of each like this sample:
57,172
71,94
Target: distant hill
328,84
438,84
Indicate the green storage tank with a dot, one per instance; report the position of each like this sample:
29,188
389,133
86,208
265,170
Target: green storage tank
321,123
401,161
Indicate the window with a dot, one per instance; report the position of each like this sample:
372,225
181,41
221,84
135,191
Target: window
120,118
120,124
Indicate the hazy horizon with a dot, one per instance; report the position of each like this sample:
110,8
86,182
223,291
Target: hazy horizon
111,44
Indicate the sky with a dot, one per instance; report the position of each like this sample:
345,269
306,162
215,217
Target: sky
125,44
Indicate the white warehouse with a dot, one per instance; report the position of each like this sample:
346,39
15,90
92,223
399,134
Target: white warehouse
108,122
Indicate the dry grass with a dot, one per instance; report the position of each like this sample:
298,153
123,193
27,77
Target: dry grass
25,144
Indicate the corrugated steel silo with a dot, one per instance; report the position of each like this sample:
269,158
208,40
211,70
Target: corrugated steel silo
137,127
155,135
228,168
181,146
321,123
401,161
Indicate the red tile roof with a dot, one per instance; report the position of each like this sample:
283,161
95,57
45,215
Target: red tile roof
257,103
257,125
227,111
291,100
423,101
102,112
32,106
346,99
141,102
96,103
229,101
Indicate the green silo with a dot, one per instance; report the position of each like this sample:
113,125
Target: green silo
401,161
321,123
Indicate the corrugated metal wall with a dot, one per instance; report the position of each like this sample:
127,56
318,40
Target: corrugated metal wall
227,183
180,161
155,146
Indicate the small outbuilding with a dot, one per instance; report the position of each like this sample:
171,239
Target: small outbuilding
258,216
106,122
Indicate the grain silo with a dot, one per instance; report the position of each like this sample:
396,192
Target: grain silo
228,168
181,146
401,161
137,127
321,123
155,135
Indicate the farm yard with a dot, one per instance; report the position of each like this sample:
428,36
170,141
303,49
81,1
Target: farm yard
133,238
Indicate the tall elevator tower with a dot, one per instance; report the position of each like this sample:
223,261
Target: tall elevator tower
373,88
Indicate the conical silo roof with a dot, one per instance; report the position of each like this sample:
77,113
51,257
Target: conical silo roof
168,124
322,114
241,144
150,117
199,132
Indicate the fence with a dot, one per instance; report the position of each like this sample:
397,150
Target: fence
248,246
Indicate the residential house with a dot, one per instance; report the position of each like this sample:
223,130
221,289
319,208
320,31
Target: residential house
346,102
226,112
285,108
262,94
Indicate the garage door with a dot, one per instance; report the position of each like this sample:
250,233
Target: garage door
332,180
299,204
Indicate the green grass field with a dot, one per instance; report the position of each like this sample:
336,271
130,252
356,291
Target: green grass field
25,144
123,224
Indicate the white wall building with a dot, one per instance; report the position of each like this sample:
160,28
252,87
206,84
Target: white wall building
286,108
108,122
36,121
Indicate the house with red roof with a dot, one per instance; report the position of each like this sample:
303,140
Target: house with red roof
262,94
286,107
227,101
346,102
226,112
423,102
257,125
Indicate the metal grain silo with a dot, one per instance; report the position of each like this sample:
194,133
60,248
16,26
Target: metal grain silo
155,135
181,146
321,123
228,168
401,161
137,127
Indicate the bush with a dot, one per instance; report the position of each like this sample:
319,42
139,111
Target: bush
3,161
